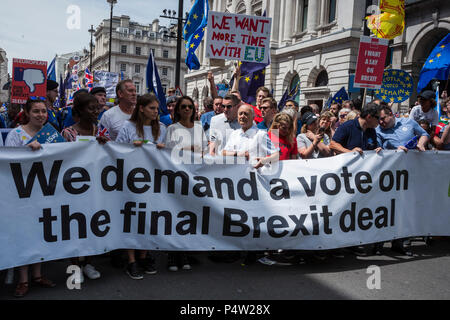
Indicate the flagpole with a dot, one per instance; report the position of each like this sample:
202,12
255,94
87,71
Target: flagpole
179,39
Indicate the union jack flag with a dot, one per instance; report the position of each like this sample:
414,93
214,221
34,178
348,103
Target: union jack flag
89,79
102,131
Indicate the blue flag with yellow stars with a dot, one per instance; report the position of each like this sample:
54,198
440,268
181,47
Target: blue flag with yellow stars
340,96
437,64
194,30
289,95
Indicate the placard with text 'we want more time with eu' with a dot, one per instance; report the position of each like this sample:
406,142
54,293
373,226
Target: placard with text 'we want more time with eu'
238,37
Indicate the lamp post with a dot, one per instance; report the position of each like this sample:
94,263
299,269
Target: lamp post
91,31
112,3
179,37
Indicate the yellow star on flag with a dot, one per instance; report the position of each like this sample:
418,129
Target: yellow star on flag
386,73
247,79
263,72
192,45
185,31
384,97
443,46
196,36
394,72
431,61
399,98
256,77
392,99
195,16
188,23
377,91
409,85
438,55
401,74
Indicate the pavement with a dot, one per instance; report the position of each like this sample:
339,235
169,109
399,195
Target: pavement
422,276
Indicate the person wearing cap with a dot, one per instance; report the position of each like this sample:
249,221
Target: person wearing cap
313,142
426,108
100,94
358,134
167,119
53,113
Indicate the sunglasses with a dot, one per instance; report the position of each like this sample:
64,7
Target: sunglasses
190,106
34,98
342,116
227,106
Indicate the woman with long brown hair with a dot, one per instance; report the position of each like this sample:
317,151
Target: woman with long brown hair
282,135
142,128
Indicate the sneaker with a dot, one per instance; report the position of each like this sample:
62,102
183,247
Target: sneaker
148,265
172,262
90,272
266,261
133,271
21,290
185,262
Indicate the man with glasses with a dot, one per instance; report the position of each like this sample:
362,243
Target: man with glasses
396,133
223,124
358,134
268,111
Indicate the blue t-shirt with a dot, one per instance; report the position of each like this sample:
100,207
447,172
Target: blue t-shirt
262,126
206,120
350,135
400,134
166,119
54,119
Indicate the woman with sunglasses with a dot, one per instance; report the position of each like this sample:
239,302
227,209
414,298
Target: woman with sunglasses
142,128
184,134
36,112
313,142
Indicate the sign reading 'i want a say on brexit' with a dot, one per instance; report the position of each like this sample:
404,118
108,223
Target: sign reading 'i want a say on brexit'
397,86
370,64
238,37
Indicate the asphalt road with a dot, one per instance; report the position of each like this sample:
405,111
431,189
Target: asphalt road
422,276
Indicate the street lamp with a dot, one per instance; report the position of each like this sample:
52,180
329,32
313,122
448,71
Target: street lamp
172,15
112,3
91,31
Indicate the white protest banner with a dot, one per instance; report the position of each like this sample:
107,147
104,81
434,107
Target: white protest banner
108,80
81,198
238,37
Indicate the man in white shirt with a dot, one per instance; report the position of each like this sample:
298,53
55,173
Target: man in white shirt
223,124
249,141
114,118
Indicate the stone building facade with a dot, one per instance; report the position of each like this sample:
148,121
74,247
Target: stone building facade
4,76
316,41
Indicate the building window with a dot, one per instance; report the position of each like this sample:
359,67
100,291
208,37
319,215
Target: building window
153,52
240,9
138,87
164,71
305,15
123,49
138,51
322,79
165,53
332,11
164,86
123,67
137,68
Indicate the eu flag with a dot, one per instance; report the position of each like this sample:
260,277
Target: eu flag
154,83
437,64
340,96
51,72
289,95
194,30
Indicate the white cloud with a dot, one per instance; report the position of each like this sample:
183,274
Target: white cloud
32,29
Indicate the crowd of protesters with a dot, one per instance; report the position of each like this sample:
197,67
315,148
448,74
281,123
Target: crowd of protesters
227,126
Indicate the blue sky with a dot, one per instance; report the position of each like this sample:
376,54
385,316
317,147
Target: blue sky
37,29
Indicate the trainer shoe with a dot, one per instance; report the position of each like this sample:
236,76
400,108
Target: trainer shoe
133,271
90,272
185,262
148,265
172,262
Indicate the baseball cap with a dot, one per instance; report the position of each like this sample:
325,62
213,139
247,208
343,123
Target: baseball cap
309,118
171,99
97,90
427,95
51,85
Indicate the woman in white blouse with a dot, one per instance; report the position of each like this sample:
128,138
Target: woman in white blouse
186,133
143,127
